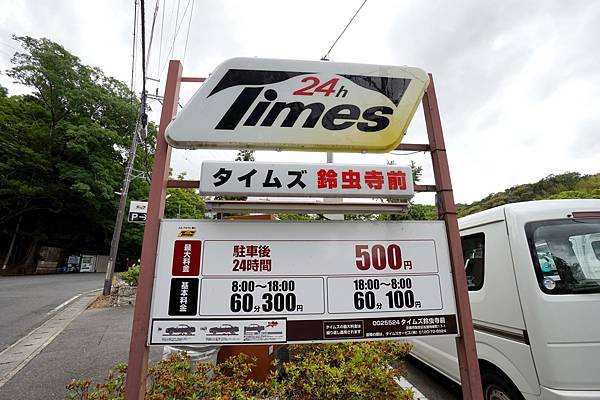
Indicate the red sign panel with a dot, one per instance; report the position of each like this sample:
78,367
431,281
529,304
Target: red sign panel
186,258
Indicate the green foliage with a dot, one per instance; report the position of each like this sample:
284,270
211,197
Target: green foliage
184,203
343,371
131,276
245,155
415,211
570,185
63,150
176,378
325,371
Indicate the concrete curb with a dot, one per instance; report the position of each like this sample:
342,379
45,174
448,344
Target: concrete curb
20,353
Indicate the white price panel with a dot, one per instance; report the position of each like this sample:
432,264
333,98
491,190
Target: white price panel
262,296
307,257
245,282
374,294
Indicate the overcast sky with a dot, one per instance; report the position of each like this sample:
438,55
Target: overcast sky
518,82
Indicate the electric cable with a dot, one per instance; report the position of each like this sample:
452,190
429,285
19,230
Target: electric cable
187,36
133,52
162,24
324,58
177,27
152,34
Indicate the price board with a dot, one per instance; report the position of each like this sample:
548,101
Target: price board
232,282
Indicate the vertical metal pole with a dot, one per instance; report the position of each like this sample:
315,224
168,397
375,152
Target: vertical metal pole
135,385
465,343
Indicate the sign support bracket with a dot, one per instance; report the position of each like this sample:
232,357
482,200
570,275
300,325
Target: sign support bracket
135,384
465,343
138,353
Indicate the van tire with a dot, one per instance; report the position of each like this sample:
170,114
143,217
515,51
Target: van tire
496,386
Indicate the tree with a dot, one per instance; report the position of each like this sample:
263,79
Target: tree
570,185
184,203
62,151
245,155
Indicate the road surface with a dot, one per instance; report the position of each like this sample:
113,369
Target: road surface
432,384
27,301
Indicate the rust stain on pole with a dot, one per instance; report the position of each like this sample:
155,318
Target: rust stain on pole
465,344
135,384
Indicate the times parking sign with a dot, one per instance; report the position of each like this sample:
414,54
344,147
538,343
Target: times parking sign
232,282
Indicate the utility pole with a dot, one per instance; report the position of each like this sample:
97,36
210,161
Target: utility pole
114,244
141,129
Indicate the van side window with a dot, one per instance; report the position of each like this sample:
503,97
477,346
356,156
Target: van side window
473,256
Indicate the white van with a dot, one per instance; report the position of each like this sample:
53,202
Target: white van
533,273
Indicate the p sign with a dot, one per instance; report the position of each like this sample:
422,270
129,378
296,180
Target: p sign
138,210
300,105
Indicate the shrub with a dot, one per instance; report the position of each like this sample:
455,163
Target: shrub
323,371
131,276
357,371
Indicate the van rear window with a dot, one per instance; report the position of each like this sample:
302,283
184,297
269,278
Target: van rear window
566,255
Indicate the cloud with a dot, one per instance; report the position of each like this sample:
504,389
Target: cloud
518,82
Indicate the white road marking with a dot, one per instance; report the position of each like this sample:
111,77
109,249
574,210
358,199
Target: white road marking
20,353
61,305
64,303
405,384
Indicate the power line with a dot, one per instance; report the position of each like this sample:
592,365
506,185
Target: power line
177,27
133,51
188,31
152,33
176,19
143,16
162,24
324,58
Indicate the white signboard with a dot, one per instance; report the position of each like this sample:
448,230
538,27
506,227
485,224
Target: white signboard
300,105
276,282
305,180
138,210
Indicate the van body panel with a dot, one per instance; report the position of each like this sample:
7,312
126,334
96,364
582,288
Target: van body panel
499,286
564,329
512,358
562,359
553,394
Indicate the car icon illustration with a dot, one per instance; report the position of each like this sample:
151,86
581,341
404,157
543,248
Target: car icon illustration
181,329
224,329
253,328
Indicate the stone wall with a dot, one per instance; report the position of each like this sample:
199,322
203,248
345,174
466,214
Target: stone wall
123,295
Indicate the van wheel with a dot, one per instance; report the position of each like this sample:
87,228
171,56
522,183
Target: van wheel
498,387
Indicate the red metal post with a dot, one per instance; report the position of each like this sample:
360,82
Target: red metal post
465,343
135,385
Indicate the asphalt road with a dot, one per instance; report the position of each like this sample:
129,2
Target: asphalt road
431,383
26,301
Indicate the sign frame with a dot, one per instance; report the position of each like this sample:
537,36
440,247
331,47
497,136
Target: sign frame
221,266
139,351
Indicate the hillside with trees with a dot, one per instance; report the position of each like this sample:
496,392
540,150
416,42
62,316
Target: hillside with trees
570,185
